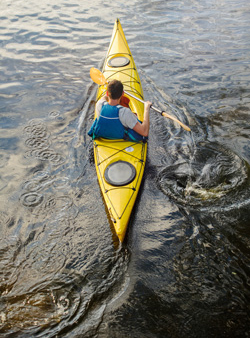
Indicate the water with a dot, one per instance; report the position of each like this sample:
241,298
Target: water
183,270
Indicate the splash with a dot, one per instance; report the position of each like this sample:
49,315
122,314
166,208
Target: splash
214,176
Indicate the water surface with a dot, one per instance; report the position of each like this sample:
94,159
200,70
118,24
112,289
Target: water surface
183,270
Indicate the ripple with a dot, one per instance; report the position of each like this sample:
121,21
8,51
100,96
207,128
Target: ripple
46,154
58,203
51,155
38,182
61,182
39,143
31,199
54,114
36,128
32,186
215,175
42,175
5,219
60,206
29,154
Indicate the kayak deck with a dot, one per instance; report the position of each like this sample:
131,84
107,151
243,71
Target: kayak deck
120,199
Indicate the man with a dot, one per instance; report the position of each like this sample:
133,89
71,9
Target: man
117,122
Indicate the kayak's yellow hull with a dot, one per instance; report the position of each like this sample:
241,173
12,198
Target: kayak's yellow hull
119,64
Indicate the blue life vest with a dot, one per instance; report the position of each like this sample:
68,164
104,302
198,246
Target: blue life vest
109,126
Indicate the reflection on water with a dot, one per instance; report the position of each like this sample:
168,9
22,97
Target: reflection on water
183,270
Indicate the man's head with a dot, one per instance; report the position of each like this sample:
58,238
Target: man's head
115,89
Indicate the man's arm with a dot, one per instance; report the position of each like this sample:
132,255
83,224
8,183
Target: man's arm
100,104
143,128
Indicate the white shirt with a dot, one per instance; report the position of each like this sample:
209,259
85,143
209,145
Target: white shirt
127,118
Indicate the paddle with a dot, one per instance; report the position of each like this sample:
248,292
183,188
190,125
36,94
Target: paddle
98,77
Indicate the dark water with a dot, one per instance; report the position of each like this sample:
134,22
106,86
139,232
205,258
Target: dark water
183,270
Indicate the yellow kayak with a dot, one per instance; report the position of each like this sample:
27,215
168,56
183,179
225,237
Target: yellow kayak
120,164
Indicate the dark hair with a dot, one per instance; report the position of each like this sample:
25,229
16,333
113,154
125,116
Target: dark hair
115,89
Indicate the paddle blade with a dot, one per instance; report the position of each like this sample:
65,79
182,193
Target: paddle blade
97,76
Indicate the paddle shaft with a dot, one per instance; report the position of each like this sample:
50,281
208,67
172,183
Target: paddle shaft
160,111
140,100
